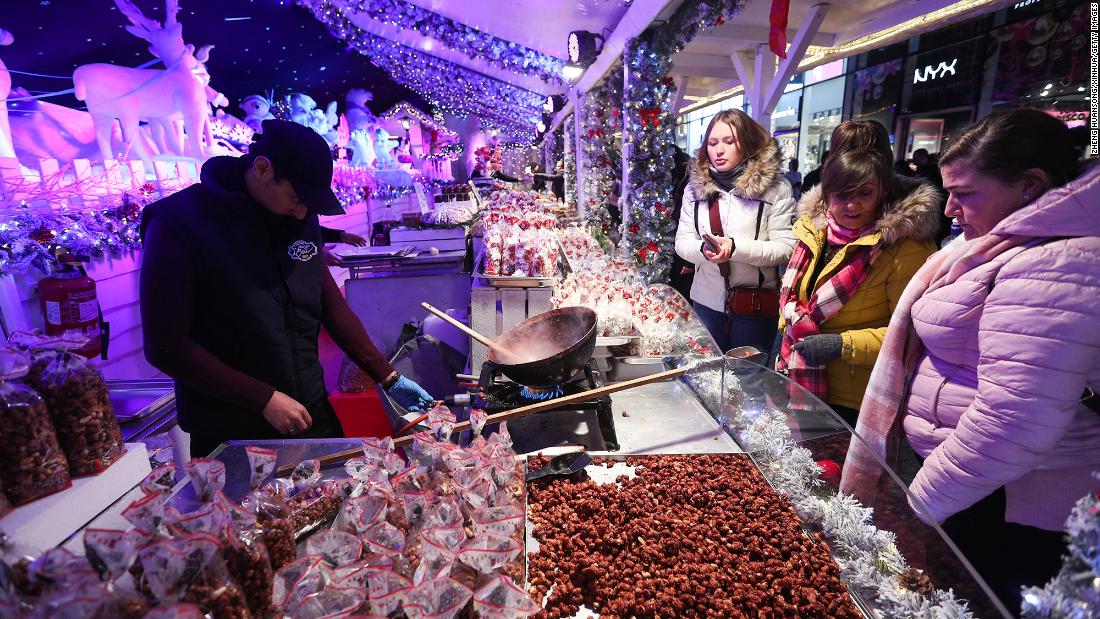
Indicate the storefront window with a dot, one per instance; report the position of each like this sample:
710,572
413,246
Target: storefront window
835,68
785,124
695,122
822,105
1044,59
874,92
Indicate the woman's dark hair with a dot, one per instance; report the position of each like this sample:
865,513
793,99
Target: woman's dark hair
859,153
1003,145
751,137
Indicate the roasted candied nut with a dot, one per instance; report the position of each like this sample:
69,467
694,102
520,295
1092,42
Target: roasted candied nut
278,538
688,536
30,456
249,565
223,600
309,517
79,405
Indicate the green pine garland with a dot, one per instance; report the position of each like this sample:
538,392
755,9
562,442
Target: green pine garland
651,231
570,163
601,118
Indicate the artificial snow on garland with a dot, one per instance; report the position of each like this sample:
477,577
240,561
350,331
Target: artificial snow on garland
1075,592
868,557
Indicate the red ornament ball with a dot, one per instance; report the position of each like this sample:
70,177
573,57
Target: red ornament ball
634,228
830,472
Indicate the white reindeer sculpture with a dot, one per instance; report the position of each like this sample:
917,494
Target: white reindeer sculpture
168,132
6,148
130,95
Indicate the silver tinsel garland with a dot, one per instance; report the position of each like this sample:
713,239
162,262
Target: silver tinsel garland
1075,592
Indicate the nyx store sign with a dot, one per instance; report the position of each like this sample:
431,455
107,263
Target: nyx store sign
944,78
929,72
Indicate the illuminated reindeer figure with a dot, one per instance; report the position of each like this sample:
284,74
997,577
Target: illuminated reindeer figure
131,95
6,149
168,132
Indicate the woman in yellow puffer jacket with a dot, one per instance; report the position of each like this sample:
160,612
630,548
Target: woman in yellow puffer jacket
862,234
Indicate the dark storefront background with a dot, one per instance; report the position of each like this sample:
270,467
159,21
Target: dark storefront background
874,92
1037,50
1026,55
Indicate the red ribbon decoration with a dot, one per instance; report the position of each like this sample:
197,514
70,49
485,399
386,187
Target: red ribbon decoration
650,115
652,247
777,37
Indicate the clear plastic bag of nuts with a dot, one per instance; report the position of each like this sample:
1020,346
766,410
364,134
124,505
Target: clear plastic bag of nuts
30,457
5,504
79,404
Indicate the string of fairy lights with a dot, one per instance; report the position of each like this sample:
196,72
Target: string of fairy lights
447,86
471,42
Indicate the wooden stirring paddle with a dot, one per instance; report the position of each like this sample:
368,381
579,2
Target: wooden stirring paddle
515,413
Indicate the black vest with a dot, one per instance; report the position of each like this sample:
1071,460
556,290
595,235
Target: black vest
257,303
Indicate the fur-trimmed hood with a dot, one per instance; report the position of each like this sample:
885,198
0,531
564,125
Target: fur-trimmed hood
761,173
913,216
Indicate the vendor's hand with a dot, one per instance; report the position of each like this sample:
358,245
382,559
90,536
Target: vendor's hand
328,257
818,350
410,395
725,250
286,414
353,239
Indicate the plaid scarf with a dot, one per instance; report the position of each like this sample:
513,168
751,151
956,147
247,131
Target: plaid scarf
877,430
804,318
839,235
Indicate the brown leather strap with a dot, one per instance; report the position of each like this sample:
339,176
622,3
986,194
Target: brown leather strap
716,230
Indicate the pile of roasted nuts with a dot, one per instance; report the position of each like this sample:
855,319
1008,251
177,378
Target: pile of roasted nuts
688,536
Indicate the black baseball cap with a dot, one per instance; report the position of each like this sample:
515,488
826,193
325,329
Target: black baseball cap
304,158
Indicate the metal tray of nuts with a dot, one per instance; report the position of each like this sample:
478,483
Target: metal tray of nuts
608,475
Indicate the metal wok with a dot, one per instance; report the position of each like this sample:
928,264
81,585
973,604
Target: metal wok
548,349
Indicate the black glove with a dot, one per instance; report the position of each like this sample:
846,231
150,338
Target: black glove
818,350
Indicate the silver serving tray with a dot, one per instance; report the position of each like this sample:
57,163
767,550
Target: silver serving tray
512,281
136,399
617,340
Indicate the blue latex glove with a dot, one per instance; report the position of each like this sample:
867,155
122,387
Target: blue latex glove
410,395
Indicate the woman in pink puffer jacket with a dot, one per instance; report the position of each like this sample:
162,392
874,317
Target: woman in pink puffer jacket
1009,325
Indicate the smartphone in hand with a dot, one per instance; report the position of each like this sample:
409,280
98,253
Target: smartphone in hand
712,244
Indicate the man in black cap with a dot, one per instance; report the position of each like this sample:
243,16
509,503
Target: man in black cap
234,293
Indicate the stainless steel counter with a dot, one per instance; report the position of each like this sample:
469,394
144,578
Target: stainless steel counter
666,418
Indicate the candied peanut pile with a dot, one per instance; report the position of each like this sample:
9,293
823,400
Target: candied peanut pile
689,536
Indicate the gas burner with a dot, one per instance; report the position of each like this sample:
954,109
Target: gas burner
541,393
499,395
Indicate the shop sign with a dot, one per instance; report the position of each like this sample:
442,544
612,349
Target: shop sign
933,72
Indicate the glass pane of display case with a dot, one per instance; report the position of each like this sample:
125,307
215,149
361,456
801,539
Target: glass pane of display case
801,446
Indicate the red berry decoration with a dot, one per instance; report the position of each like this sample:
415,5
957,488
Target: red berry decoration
830,472
42,235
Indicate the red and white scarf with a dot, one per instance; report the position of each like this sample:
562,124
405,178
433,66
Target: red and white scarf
804,318
877,430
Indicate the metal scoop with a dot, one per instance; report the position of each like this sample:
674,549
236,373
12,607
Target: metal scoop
565,464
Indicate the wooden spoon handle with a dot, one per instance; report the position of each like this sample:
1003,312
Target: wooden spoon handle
522,411
461,327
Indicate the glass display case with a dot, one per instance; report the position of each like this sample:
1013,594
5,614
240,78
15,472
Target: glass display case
893,563
800,445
